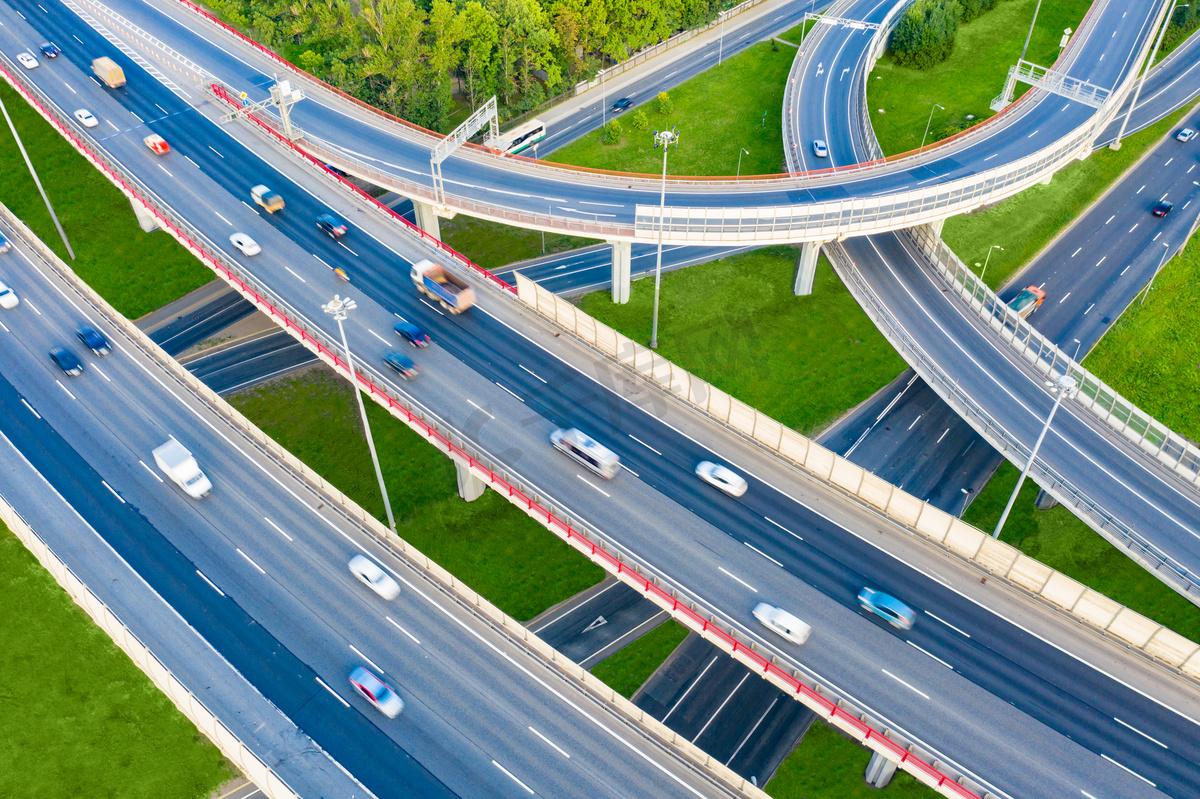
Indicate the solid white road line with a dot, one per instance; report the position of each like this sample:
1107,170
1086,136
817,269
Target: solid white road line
697,681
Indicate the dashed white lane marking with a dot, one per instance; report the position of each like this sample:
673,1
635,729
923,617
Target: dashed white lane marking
250,560
906,685
764,554
739,579
211,584
330,690
374,665
557,748
1139,732
401,629
278,529
644,444
512,777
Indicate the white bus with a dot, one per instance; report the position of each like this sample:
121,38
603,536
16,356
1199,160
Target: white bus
582,448
520,138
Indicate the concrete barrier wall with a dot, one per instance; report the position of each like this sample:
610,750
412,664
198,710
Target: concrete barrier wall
972,545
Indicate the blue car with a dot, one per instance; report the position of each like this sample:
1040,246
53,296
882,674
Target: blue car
50,50
402,364
66,361
5,244
888,608
94,340
412,334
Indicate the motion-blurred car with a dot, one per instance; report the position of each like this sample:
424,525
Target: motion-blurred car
66,361
412,334
402,364
1187,134
50,50
94,340
5,244
27,60
1027,301
331,225
819,149
247,245
84,117
375,578
1163,208
8,298
157,143
621,105
722,478
372,689
888,608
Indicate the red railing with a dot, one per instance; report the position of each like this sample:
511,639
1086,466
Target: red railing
577,539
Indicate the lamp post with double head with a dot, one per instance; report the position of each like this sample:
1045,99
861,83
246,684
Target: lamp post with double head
339,309
664,139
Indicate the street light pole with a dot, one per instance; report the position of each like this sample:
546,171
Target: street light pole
21,146
930,122
721,44
1065,387
989,257
741,151
1161,261
1029,35
339,308
1116,145
664,139
603,101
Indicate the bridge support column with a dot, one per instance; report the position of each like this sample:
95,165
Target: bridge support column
622,253
806,268
146,220
880,771
470,487
1046,180
1044,501
937,227
427,218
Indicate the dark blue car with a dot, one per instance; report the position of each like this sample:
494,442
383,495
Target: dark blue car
94,340
50,50
66,361
402,364
412,334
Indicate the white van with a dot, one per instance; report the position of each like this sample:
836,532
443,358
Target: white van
782,622
582,448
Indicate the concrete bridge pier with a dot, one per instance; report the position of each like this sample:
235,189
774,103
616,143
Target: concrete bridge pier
470,487
806,268
622,255
146,220
879,771
427,218
937,227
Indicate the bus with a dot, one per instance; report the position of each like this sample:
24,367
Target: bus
520,138
589,453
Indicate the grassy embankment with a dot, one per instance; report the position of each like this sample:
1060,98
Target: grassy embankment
625,670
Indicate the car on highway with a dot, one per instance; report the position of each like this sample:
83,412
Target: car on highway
402,364
780,621
1163,208
84,117
819,149
157,144
1187,134
412,334
27,60
66,360
332,226
247,245
50,50
372,689
621,105
888,608
94,340
586,451
5,244
722,478
373,577
8,298
1027,301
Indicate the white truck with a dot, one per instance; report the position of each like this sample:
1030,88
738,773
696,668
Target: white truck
178,464
438,284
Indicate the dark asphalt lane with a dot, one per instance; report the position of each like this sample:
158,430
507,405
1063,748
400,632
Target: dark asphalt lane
1005,660
200,322
245,363
598,622
276,672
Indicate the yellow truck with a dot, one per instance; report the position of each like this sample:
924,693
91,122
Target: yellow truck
107,70
269,200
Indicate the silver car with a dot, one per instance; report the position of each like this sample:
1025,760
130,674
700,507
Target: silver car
722,478
372,689
373,577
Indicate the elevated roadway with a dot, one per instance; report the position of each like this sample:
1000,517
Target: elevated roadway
1019,696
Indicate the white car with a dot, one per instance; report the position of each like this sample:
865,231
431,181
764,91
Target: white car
374,577
1187,134
720,477
27,60
8,297
85,118
247,245
819,149
373,689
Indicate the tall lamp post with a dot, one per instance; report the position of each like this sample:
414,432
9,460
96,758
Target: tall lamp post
664,139
721,44
1116,145
1161,261
339,308
988,258
1029,35
1065,386
603,100
741,151
33,172
930,122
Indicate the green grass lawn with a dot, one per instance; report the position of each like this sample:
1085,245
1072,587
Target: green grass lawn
507,557
735,323
77,718
135,271
966,82
492,245
625,670
828,765
1023,225
1061,541
733,106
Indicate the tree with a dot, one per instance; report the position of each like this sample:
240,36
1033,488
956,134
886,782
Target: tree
478,63
392,56
665,104
440,41
311,62
924,36
612,132
638,121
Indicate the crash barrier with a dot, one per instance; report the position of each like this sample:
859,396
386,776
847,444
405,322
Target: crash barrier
1175,452
876,733
997,558
437,433
190,705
